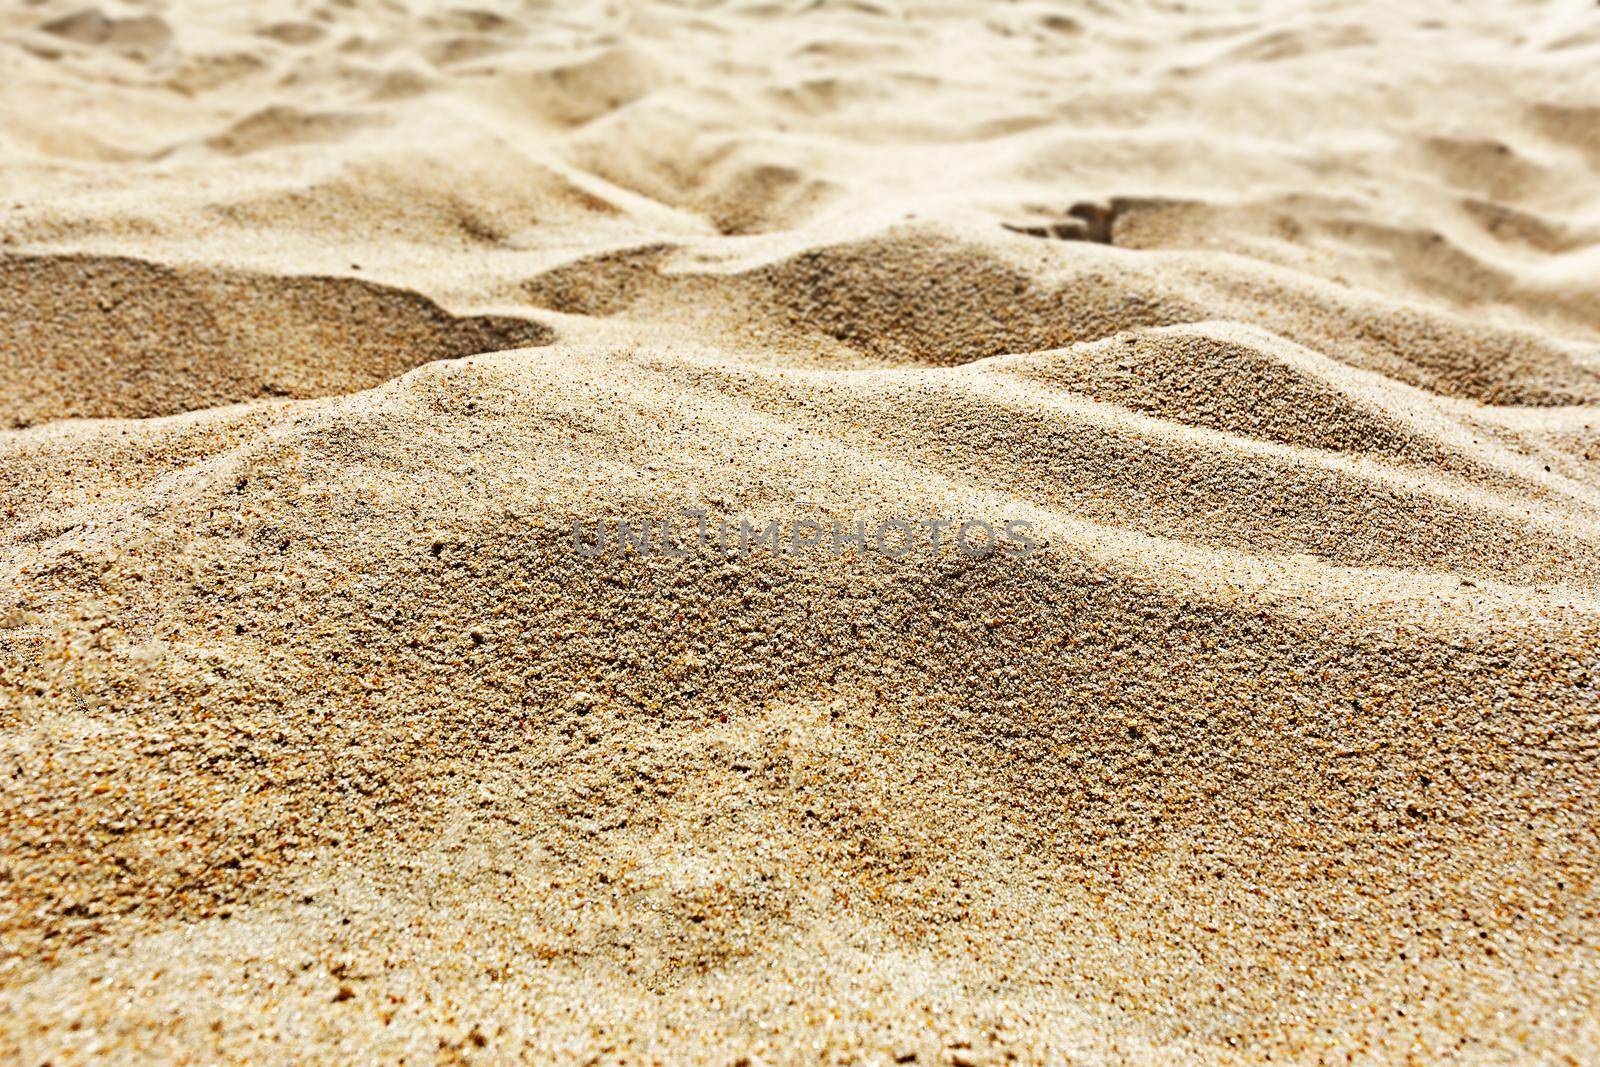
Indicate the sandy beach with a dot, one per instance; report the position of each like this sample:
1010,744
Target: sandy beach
856,531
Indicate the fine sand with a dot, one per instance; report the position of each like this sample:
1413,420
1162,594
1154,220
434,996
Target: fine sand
321,322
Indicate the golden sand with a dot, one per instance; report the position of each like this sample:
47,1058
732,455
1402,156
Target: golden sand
321,324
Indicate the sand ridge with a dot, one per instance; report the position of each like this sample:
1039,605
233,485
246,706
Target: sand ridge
320,327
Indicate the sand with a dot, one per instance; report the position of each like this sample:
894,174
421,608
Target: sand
322,323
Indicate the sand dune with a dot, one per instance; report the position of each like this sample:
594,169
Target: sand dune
1278,327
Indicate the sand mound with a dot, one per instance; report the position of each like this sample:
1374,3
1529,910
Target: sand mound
138,37
574,92
898,735
323,739
904,297
84,336
910,296
1241,381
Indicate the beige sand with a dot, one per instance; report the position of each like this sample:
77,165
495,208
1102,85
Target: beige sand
320,325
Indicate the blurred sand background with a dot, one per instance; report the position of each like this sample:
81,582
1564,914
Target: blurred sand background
322,321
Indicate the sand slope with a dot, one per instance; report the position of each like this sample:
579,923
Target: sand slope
319,740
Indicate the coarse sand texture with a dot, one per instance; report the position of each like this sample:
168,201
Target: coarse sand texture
1275,325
